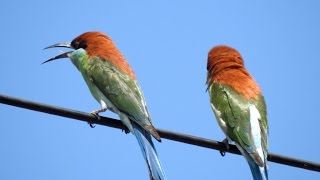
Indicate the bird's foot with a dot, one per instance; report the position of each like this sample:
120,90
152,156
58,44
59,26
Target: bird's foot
227,147
92,125
96,114
126,130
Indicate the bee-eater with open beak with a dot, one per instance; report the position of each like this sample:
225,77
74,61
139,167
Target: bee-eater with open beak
113,84
239,107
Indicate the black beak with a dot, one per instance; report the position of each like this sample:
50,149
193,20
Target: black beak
63,55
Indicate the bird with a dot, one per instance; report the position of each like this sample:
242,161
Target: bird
113,84
239,107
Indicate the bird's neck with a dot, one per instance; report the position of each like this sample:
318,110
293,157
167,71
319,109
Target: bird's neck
79,58
237,77
107,51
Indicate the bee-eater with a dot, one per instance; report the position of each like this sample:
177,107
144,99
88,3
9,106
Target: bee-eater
239,107
113,84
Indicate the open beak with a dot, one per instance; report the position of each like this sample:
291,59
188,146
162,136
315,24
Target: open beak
63,55
65,44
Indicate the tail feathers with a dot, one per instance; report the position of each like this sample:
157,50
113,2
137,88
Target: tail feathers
149,153
258,172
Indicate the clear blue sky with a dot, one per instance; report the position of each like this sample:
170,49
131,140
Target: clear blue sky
166,44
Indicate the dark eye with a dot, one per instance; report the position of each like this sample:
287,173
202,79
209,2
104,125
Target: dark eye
78,45
75,45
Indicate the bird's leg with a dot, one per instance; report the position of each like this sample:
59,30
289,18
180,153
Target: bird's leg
126,122
96,113
227,147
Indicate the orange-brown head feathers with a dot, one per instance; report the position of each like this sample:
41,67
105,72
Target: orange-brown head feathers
225,66
100,45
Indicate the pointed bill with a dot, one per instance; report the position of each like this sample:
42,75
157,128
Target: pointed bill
65,44
63,55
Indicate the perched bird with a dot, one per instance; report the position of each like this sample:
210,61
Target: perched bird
113,84
239,107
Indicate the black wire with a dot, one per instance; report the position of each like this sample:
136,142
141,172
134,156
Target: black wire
180,137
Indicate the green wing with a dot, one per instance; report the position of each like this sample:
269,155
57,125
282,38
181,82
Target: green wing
233,111
262,108
120,89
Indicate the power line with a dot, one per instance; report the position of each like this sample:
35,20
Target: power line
174,136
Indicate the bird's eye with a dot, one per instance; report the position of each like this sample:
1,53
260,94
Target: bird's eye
83,45
78,45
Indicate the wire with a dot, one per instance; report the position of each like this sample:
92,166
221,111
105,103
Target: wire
174,136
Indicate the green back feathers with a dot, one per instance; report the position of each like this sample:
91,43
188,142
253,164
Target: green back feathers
234,111
118,87
123,91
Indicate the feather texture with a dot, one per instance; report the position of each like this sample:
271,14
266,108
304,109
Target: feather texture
113,84
239,107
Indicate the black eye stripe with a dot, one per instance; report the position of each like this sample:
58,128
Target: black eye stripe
78,45
82,45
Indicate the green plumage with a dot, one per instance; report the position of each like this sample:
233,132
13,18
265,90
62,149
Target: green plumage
111,85
119,88
233,112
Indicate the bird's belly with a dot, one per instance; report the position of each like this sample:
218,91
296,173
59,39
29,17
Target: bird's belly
106,103
102,99
98,95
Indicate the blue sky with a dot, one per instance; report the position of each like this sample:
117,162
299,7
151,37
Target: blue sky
166,43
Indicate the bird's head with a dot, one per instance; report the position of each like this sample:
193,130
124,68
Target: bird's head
223,55
93,44
221,58
90,42
226,66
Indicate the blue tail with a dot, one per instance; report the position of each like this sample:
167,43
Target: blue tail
258,173
149,153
